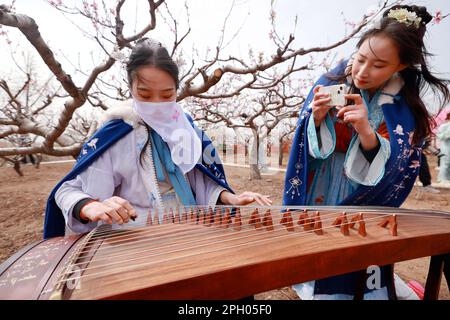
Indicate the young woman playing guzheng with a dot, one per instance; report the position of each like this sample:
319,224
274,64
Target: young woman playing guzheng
147,157
368,152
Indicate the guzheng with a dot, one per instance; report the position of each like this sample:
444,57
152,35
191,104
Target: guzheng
226,253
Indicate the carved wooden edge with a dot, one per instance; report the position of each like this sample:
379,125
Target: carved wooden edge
251,274
41,275
56,267
10,261
83,260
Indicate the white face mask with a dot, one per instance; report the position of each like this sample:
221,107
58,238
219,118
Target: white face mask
170,122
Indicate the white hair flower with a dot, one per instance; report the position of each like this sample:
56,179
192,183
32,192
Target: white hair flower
402,15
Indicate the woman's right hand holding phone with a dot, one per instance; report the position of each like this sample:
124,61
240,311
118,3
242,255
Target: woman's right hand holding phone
320,105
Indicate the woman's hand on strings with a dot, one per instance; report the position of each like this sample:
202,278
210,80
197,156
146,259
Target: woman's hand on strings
244,198
320,105
112,210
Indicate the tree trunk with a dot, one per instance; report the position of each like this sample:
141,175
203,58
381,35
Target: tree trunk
255,173
280,152
17,168
224,144
38,160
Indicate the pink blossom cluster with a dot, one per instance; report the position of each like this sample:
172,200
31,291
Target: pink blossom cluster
437,17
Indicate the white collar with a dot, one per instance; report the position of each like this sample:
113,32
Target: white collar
123,110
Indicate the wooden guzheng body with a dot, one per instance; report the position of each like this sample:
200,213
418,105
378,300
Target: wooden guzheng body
226,253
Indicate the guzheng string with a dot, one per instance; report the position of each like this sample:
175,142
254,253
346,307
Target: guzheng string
148,264
212,221
132,234
128,252
88,238
172,237
207,245
98,234
117,236
136,227
183,234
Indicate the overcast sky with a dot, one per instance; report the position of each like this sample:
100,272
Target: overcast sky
320,22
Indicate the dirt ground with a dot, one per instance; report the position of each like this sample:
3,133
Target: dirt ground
23,201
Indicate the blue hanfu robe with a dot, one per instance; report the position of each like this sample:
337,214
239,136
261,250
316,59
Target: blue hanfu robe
389,189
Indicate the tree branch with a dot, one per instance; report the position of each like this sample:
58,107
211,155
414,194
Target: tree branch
30,30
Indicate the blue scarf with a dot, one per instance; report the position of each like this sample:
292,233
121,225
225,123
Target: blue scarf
161,151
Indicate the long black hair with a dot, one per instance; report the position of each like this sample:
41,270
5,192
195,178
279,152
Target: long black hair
409,39
147,52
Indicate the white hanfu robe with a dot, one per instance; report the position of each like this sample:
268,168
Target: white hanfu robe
118,172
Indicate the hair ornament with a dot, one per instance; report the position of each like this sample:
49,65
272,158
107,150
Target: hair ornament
409,18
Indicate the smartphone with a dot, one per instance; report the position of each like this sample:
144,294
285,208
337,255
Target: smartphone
337,93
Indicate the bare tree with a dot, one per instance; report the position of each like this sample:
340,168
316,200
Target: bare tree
198,77
25,97
77,95
259,113
286,133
